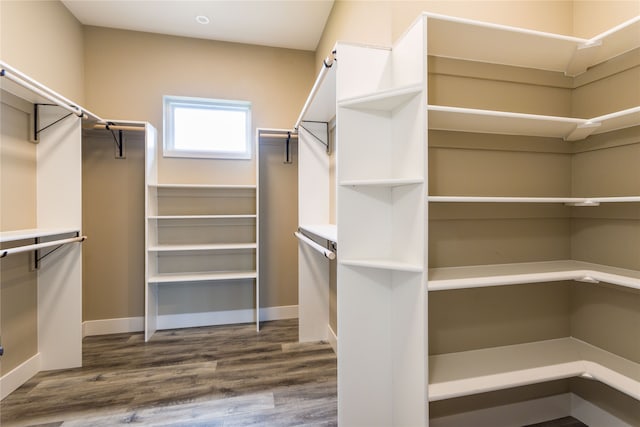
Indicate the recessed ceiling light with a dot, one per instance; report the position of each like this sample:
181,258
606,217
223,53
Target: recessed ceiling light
201,19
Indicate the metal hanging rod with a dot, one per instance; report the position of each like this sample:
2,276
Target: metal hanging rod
38,246
109,126
327,63
283,135
43,91
324,251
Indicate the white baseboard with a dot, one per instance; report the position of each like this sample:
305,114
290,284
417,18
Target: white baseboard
190,320
333,339
593,415
112,326
19,375
187,320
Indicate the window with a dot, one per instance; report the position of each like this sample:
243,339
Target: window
210,128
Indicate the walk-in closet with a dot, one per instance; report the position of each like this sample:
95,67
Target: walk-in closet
351,213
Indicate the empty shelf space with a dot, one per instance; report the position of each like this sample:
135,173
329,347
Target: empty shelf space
449,278
201,276
454,37
202,247
383,100
34,233
478,371
573,201
391,182
510,123
325,231
384,265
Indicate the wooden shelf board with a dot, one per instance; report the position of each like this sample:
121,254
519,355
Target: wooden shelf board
32,233
478,371
454,37
326,231
441,279
577,201
202,247
203,187
383,265
187,217
202,277
500,122
322,107
383,100
390,182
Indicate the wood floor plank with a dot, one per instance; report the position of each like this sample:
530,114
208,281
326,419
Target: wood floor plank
213,376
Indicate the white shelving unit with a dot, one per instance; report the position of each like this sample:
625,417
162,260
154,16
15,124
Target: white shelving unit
198,234
58,212
488,369
381,176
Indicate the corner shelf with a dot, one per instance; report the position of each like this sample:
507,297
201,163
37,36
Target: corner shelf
510,123
479,276
571,201
479,371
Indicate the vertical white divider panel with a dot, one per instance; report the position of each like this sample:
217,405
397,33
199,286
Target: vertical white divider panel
382,294
59,205
151,232
314,208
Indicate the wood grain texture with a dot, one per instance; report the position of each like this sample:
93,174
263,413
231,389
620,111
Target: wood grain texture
211,376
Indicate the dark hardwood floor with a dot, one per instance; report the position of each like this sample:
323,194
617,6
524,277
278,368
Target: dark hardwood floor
213,376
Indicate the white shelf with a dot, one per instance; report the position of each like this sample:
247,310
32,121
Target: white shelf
384,100
383,265
479,371
391,182
500,44
509,123
163,217
202,247
33,233
573,201
201,277
203,187
449,278
326,231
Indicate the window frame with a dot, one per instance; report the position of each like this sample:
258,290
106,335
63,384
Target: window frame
170,103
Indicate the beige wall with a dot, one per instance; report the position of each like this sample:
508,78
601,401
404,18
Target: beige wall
44,40
127,73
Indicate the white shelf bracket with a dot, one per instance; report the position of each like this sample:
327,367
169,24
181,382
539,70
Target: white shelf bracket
582,131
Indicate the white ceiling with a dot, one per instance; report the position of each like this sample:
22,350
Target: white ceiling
293,24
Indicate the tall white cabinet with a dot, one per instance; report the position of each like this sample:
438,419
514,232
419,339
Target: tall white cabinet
488,228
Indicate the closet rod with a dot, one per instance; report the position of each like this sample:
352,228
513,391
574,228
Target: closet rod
327,64
324,251
37,246
279,135
119,127
39,89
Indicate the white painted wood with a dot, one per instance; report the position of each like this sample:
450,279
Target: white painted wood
112,326
325,231
332,338
204,187
161,217
151,230
531,272
201,247
313,294
574,201
201,276
189,320
33,233
59,205
320,106
19,375
479,371
382,378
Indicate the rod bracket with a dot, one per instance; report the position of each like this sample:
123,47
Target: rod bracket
119,141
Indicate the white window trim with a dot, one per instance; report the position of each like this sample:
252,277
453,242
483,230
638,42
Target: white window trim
169,102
